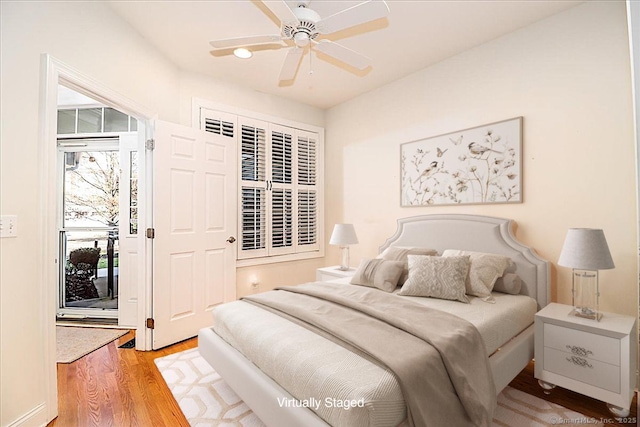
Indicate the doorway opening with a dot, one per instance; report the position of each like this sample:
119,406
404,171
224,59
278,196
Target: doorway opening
97,214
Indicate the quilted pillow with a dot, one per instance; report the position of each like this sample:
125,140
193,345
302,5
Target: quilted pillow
378,273
437,277
483,272
400,253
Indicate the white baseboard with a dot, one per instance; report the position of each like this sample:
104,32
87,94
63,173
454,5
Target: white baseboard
35,417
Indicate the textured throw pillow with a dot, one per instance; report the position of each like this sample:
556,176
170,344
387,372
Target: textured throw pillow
483,272
400,253
509,283
378,273
437,277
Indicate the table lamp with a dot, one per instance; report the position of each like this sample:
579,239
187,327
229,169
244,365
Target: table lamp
586,251
344,235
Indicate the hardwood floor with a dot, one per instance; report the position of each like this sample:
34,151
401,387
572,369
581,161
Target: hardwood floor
117,387
122,387
577,402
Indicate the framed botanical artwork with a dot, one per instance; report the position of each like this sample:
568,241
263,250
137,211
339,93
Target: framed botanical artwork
478,165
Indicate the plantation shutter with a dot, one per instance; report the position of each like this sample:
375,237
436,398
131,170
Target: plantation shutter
281,190
279,186
253,225
219,126
281,155
307,171
219,122
281,220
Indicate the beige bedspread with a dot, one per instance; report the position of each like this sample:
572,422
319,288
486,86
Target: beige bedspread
439,359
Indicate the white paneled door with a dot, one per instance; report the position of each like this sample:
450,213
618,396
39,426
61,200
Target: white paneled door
194,210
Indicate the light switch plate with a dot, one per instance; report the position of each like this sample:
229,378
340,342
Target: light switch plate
8,226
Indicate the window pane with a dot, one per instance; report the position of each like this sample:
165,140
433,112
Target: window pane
133,164
133,192
115,121
91,190
133,125
90,120
133,221
90,257
66,121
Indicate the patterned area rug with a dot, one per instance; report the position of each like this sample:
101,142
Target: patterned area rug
206,400
72,343
516,409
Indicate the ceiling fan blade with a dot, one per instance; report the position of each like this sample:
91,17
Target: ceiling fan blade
359,14
245,41
291,63
343,54
281,10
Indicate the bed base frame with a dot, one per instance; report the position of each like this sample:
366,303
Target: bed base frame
466,232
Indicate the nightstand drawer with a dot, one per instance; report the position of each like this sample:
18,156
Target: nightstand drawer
582,344
594,372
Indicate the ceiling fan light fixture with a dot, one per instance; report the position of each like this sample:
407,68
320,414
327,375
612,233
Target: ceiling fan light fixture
242,53
300,28
301,39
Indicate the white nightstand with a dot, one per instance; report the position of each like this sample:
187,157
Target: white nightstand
330,273
597,359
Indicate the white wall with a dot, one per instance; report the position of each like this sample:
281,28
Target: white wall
569,77
89,37
194,85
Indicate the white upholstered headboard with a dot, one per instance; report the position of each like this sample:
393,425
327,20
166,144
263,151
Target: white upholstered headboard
480,234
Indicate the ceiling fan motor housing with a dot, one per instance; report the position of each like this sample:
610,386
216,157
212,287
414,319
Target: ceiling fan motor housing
303,30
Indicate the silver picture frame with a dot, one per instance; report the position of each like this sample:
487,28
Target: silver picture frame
479,165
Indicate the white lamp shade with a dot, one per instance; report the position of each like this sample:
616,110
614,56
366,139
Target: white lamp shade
586,249
343,235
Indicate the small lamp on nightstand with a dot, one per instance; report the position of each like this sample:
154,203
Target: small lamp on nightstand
586,251
344,235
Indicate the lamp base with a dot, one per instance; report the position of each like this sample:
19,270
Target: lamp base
586,313
344,263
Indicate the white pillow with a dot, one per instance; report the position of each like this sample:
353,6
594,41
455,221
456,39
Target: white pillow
378,273
437,277
400,253
483,272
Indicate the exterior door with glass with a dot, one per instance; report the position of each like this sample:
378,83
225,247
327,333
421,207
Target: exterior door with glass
98,238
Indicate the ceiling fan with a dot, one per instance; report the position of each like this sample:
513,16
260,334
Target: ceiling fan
303,26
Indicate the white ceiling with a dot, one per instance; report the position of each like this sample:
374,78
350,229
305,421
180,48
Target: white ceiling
415,35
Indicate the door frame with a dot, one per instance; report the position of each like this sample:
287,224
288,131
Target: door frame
52,73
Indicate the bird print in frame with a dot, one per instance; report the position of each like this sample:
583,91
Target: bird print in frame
477,165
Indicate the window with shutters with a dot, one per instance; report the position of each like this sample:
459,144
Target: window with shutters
280,209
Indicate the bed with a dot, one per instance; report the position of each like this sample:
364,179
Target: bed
270,400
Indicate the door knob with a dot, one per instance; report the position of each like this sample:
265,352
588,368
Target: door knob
231,239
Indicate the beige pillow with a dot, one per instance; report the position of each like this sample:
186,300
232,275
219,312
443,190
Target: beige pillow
437,277
483,272
509,283
400,253
378,273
